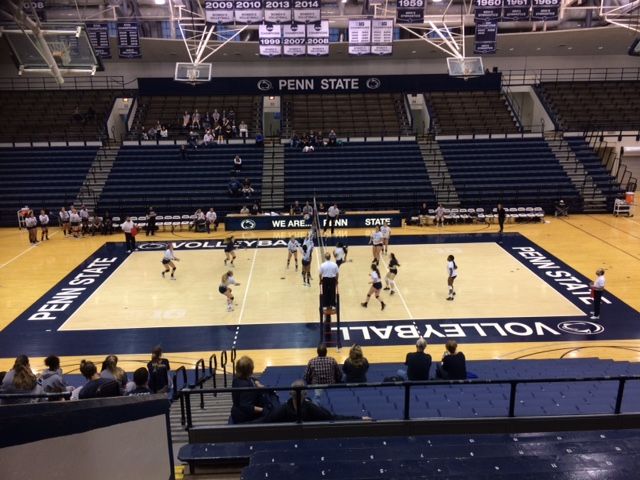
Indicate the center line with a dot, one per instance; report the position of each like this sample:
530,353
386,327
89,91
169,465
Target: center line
246,291
398,290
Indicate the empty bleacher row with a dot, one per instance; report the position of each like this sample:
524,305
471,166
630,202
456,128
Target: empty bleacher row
46,178
585,106
356,114
144,176
55,115
359,176
470,112
168,110
516,172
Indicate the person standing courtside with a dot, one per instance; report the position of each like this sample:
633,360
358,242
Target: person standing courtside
44,225
328,281
332,216
130,230
63,215
31,222
452,270
502,215
74,218
151,222
597,287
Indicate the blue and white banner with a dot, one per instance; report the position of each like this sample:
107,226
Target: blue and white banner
307,11
547,10
487,10
129,40
516,10
219,11
294,40
270,37
278,11
360,37
266,222
248,11
35,8
410,11
98,34
486,38
318,39
382,36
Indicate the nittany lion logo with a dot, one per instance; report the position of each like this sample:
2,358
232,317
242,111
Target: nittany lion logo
373,83
581,327
248,224
265,85
152,246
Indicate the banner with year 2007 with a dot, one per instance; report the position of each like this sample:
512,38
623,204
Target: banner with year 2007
277,11
306,11
294,40
219,11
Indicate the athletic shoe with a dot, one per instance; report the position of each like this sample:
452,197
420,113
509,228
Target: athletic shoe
296,268
382,305
386,288
364,304
449,298
287,266
128,251
592,313
454,294
229,308
392,292
173,278
593,317
163,274
225,261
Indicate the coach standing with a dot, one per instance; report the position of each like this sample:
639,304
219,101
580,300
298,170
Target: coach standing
597,287
130,230
502,215
328,281
332,216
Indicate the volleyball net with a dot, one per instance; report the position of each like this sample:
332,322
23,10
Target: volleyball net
316,230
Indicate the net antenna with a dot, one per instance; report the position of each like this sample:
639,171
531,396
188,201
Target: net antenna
201,41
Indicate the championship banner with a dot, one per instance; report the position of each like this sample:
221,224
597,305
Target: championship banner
219,11
318,39
486,38
277,11
98,34
359,37
306,11
516,10
294,40
270,37
545,10
410,11
487,10
248,11
382,36
129,40
36,6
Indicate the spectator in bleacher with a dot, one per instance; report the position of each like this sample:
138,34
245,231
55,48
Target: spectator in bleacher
206,121
307,210
23,381
44,225
217,133
111,370
159,372
96,387
20,361
333,139
423,214
308,149
90,115
310,412
255,208
417,363
243,129
141,380
208,138
151,133
322,370
199,220
597,287
195,119
244,210
211,218
295,208
312,139
234,129
31,222
227,129
259,140
502,216
234,187
107,223
96,226
215,116
186,120
77,116
164,133
184,153
63,215
439,219
246,404
237,163
84,219
129,229
247,189
355,367
231,115
192,139
453,366
74,220
562,209
295,140
51,379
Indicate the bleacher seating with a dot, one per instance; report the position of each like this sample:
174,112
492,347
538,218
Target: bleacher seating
169,109
586,106
144,176
41,178
516,172
470,112
359,176
356,114
48,115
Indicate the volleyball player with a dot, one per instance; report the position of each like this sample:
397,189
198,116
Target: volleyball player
307,253
340,254
389,278
376,286
452,270
74,219
44,225
224,288
63,215
293,246
376,242
386,235
31,222
229,251
168,259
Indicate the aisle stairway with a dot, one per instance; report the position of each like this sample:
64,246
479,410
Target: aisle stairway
273,176
438,174
97,176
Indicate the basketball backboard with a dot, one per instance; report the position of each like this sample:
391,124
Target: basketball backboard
465,67
192,73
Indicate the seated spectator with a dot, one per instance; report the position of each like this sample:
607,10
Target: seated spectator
195,119
77,116
308,149
192,139
199,220
234,129
255,208
453,366
206,121
186,120
333,139
439,219
164,133
310,412
322,370
307,210
243,129
107,223
231,115
21,360
211,218
23,382
96,387
234,187
423,214
208,138
417,363
96,225
159,370
562,209
141,380
355,367
237,163
112,371
244,210
51,379
217,133
295,208
295,140
215,116
246,404
151,133
247,190
259,140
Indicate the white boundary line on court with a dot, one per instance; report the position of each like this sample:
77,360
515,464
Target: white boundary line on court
26,251
246,290
406,307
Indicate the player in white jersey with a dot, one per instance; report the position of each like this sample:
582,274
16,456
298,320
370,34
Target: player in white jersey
389,278
307,252
225,288
376,242
230,250
74,219
376,286
452,270
64,221
292,248
31,222
386,235
168,259
44,225
340,253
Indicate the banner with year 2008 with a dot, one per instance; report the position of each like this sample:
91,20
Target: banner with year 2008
294,40
277,11
410,11
248,11
219,11
270,36
318,39
306,11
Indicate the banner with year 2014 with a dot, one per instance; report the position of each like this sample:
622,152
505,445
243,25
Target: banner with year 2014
306,11
516,10
219,11
318,39
277,11
487,10
546,10
270,36
248,11
410,11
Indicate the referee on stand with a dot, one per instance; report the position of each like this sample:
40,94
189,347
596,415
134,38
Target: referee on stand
332,216
328,281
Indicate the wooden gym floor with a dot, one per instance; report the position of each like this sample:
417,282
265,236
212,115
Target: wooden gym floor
275,317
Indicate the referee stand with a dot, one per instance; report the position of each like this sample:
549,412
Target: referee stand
326,314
